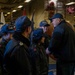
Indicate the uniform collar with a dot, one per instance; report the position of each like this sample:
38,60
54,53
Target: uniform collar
19,37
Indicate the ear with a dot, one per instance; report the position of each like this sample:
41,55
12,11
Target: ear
59,20
27,29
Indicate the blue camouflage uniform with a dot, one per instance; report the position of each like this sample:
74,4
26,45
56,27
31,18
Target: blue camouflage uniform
38,55
16,56
4,31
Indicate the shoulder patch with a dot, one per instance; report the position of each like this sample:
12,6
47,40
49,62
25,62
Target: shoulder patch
34,49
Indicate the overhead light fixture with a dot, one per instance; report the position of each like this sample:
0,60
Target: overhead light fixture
20,6
8,12
68,21
27,0
71,3
14,10
5,15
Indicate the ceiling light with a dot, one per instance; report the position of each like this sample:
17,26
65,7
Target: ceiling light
27,0
14,10
71,3
68,21
8,12
20,6
5,15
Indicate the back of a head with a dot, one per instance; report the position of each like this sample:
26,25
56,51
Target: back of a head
44,23
22,23
37,35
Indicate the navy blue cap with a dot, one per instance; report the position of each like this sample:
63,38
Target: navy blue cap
37,34
6,29
21,22
44,23
57,15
